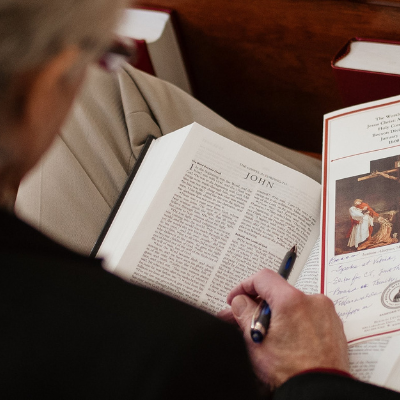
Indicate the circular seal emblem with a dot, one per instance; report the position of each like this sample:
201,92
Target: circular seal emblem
391,296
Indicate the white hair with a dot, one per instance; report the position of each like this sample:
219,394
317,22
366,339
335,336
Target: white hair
32,31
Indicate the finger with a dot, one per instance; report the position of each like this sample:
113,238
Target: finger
227,316
243,310
267,284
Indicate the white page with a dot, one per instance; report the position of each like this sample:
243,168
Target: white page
371,56
362,278
393,382
157,29
387,370
147,25
309,280
364,358
137,200
224,213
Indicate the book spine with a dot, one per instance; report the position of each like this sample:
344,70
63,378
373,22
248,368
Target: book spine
121,197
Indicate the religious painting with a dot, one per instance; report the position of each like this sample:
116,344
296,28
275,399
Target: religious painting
367,208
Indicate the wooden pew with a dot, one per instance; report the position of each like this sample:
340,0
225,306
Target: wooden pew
265,64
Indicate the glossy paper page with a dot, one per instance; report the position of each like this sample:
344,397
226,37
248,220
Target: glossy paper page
361,219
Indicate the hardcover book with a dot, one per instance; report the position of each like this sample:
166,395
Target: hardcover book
158,46
367,70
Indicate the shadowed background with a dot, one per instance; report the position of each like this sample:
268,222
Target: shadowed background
265,64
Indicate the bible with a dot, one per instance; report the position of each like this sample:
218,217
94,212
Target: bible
202,213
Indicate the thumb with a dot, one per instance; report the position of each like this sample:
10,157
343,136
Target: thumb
243,309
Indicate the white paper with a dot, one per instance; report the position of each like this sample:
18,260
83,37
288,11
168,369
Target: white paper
362,150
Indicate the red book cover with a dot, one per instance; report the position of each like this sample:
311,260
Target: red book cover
141,59
133,51
358,86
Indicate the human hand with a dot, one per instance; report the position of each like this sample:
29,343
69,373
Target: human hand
304,332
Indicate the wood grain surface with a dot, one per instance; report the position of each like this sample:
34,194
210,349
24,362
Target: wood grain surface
265,64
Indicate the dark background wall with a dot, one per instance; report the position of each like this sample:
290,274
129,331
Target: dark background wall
265,64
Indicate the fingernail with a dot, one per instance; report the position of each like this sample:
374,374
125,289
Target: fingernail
239,305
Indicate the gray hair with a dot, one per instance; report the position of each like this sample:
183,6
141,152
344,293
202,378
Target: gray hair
32,31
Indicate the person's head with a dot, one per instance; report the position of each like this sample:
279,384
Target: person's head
357,202
45,47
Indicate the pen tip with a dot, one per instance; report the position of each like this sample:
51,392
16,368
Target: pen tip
294,249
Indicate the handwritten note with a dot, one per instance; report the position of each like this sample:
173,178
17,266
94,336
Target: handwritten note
357,284
362,277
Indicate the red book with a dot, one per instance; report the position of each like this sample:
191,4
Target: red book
142,59
367,70
158,48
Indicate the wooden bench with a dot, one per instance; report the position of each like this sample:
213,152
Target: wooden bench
265,64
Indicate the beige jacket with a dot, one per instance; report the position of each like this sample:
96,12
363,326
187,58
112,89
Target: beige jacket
71,192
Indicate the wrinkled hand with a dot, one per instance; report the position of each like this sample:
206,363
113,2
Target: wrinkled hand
304,333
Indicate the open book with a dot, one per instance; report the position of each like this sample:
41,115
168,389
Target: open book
202,213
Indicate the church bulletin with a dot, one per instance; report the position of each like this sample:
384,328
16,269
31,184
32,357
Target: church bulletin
360,217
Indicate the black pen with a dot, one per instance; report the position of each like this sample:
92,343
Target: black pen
262,315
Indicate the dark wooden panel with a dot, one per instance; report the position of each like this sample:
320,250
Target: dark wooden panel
265,64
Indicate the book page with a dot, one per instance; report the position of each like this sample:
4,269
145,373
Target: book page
309,279
361,219
364,358
387,369
392,382
142,24
223,213
372,56
139,195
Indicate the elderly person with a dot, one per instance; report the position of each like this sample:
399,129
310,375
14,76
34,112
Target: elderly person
70,329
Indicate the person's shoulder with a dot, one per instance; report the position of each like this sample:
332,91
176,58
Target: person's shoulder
96,289
154,342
